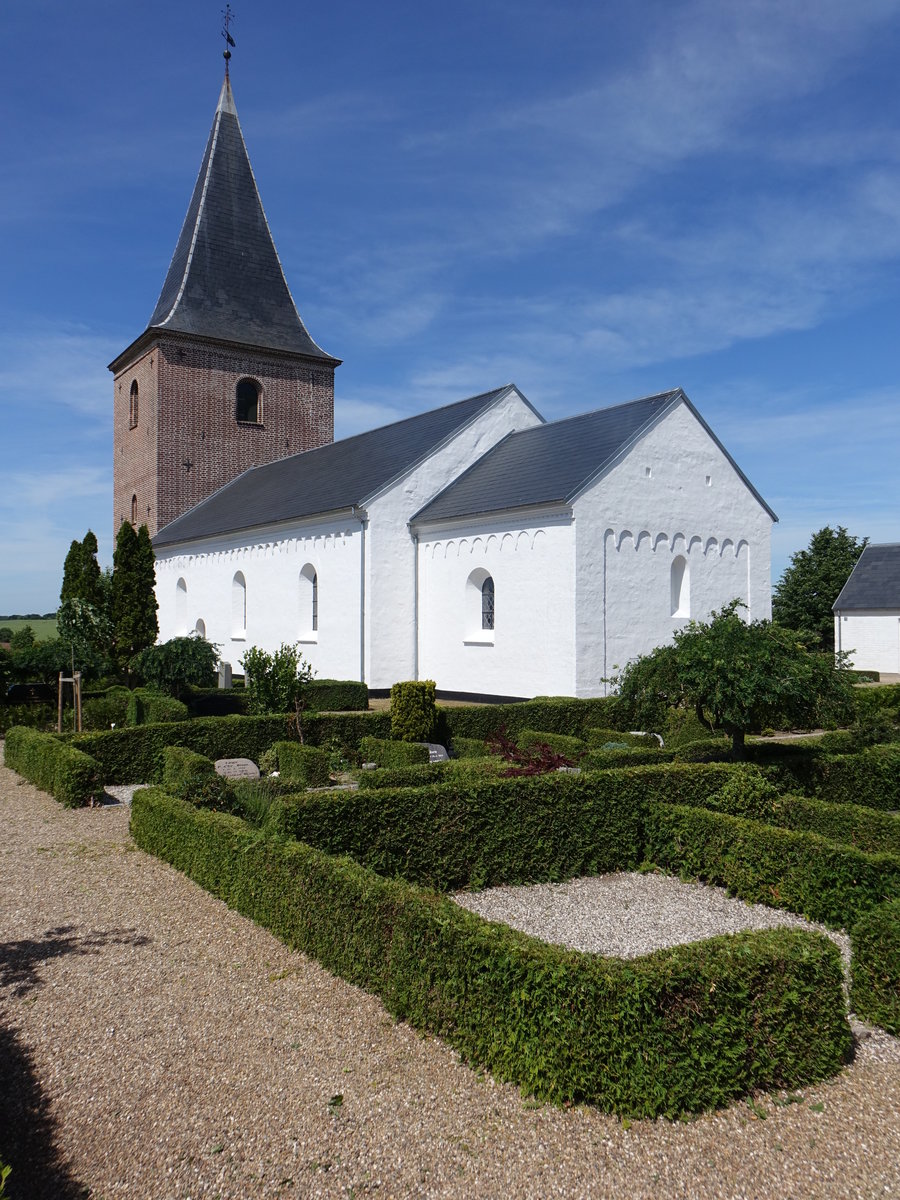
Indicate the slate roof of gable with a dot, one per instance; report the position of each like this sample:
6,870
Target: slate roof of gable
225,279
875,580
328,479
548,464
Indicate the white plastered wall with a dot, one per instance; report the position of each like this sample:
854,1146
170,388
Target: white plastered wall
872,636
531,650
391,649
675,494
278,601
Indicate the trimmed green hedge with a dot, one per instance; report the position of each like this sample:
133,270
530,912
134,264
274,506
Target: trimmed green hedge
681,1030
875,988
337,695
148,707
303,765
803,872
560,743
871,778
181,767
597,738
135,755
558,714
385,753
423,774
68,774
413,712
465,747
474,832
633,756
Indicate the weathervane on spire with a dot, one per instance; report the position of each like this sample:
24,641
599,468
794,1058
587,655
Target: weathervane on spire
228,15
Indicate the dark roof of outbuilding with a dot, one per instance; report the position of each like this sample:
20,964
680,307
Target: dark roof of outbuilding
552,463
225,280
875,580
328,479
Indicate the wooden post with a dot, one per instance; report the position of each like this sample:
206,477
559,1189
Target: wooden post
59,705
77,682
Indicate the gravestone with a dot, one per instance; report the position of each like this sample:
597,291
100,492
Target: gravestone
237,768
436,753
224,675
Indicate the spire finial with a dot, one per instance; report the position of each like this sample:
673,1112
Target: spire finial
228,17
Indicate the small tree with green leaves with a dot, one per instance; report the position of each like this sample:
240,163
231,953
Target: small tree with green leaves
737,676
803,597
134,606
178,664
276,683
413,711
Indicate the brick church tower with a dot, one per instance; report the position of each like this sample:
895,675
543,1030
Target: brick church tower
225,377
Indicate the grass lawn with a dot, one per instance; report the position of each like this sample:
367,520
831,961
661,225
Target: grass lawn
43,629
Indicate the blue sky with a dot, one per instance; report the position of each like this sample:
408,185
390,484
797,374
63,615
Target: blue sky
597,202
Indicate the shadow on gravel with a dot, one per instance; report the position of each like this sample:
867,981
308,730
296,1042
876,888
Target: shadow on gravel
19,960
28,1132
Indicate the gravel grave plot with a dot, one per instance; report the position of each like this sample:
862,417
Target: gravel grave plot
157,1045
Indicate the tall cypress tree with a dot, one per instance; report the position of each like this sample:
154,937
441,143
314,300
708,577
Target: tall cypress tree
133,598
81,573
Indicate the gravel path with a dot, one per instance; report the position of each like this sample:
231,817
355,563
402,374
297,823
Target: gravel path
155,1044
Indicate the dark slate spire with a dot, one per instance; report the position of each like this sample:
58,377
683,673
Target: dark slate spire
225,280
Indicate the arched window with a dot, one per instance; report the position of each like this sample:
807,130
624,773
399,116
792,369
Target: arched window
680,584
133,405
487,604
238,605
200,627
479,607
181,618
247,401
134,510
309,603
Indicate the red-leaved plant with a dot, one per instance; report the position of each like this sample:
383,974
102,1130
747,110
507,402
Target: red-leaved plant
537,759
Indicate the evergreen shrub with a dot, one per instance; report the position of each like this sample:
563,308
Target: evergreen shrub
871,778
422,774
685,1029
631,756
337,695
557,714
465,747
386,753
803,872
303,766
31,716
182,766
69,775
597,738
413,711
875,987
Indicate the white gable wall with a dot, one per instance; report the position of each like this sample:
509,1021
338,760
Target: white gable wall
391,549
675,494
872,636
278,600
531,650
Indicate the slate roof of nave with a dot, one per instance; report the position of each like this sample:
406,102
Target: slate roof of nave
875,580
225,279
552,463
330,478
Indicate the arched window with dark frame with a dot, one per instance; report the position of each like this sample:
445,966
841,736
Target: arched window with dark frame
315,602
247,396
133,405
487,603
134,510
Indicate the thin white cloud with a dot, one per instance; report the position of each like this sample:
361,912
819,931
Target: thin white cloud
62,365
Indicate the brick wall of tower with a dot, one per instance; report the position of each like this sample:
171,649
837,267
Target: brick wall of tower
135,450
200,443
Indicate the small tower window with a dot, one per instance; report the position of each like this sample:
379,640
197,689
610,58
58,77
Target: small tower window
238,605
309,603
680,586
134,510
247,402
133,405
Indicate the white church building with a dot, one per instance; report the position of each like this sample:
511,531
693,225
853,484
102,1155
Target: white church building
474,544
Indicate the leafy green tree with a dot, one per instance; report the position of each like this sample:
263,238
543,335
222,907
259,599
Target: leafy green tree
276,683
804,595
737,677
178,664
134,606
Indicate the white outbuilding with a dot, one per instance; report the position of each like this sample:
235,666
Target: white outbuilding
476,545
867,612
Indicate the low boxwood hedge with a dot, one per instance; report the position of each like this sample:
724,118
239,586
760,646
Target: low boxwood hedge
306,766
465,747
561,743
337,695
871,778
148,707
557,714
803,872
182,766
423,774
68,774
681,1030
386,753
474,832
875,989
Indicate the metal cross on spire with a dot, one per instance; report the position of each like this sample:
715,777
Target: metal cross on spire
228,17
